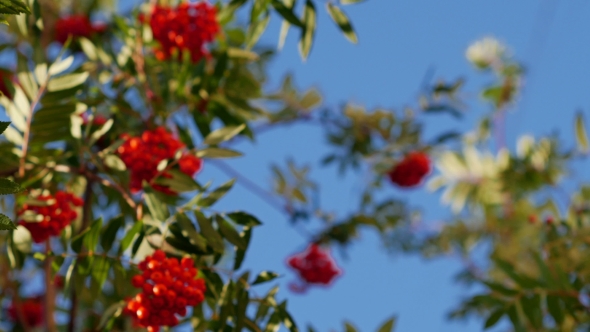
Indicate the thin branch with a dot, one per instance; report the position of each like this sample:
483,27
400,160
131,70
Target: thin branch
251,186
49,291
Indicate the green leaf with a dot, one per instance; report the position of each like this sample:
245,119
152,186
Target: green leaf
286,13
265,276
216,194
5,223
230,233
13,7
340,18
114,162
244,219
92,236
110,313
388,325
211,235
494,317
308,31
350,2
158,209
187,226
178,182
255,30
522,280
109,232
128,238
100,271
348,327
241,254
67,82
555,306
223,134
3,126
217,153
8,187
581,134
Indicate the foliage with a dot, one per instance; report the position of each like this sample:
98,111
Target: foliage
75,113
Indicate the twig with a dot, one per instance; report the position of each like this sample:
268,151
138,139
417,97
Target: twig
253,187
49,291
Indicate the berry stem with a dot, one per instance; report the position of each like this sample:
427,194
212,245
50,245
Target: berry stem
49,290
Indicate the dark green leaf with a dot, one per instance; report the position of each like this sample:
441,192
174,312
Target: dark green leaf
244,219
256,29
241,254
223,134
555,306
286,13
3,126
158,209
109,233
388,326
5,223
9,187
187,226
110,313
128,238
265,276
340,18
217,153
308,32
216,194
13,7
178,182
211,235
230,233
494,317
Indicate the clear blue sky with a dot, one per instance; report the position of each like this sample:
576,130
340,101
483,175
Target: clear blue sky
399,40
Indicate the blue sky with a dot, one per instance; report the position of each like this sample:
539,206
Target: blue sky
399,40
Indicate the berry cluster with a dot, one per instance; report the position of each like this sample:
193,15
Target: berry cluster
142,155
77,26
168,287
31,310
51,217
411,170
315,265
187,27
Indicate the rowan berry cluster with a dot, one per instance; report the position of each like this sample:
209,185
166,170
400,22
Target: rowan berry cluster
315,265
168,287
77,26
142,155
50,215
189,26
31,310
411,170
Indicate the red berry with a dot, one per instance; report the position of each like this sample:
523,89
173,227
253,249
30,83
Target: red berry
137,281
142,313
411,170
160,290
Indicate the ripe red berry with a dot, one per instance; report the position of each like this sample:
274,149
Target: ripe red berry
75,26
142,155
137,281
314,266
164,291
187,27
52,218
142,313
31,309
411,170
160,290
